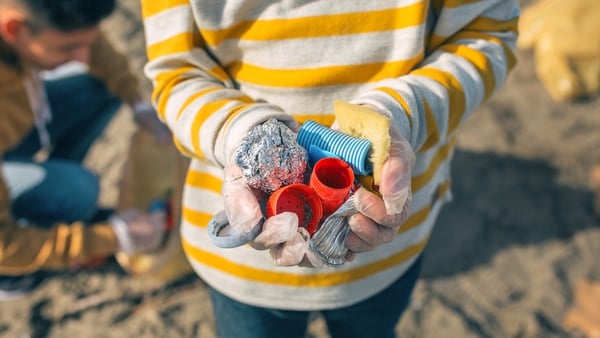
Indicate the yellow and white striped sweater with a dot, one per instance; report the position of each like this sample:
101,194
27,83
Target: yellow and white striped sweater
220,67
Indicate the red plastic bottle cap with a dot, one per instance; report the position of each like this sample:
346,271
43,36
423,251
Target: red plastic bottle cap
332,179
299,199
163,205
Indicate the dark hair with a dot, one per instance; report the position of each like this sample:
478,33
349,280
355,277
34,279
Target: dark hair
65,15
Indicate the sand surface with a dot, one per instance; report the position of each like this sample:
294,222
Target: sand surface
502,261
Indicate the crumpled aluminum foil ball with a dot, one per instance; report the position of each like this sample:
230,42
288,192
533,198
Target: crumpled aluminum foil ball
270,157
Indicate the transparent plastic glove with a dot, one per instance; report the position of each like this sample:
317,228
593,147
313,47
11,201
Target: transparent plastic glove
140,232
266,159
379,218
146,117
287,243
243,219
243,213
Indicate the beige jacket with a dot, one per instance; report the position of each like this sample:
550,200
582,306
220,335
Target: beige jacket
27,249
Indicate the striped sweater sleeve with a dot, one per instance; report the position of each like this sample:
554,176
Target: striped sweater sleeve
468,56
193,93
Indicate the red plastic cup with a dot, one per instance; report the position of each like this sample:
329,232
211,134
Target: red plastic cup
332,179
299,199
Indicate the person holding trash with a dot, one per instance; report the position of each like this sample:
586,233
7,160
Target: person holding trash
49,217
220,69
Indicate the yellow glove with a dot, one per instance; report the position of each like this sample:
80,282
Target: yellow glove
565,36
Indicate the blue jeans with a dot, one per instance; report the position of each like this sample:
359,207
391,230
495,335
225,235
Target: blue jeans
374,317
61,189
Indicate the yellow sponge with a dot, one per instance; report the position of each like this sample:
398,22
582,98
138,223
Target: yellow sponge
362,122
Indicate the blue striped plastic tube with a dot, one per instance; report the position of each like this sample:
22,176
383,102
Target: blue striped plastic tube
353,150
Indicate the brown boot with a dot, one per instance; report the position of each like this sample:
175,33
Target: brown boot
584,314
595,186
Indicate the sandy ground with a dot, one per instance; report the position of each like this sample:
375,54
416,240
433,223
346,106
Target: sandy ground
502,261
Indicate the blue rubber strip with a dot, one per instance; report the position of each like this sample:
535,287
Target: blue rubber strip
219,222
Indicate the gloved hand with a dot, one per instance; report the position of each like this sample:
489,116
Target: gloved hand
286,241
279,234
379,218
137,231
242,208
565,36
248,178
376,222
146,117
243,220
